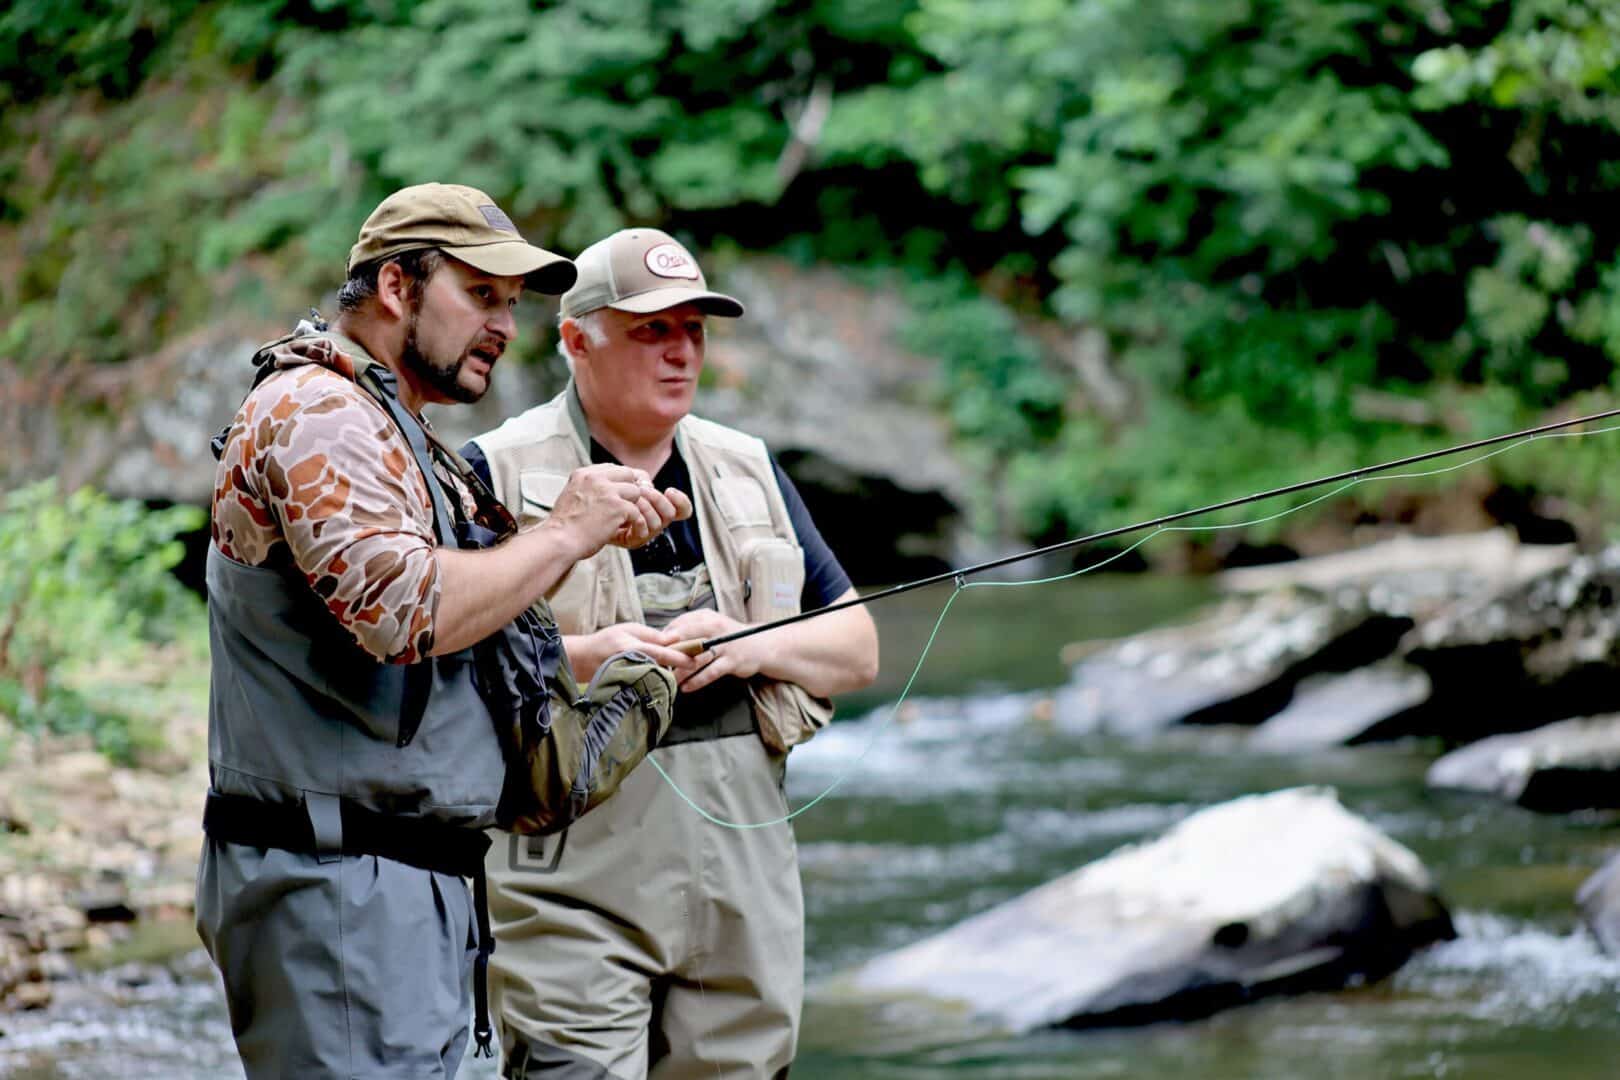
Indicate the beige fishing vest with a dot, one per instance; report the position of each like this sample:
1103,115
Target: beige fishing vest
752,553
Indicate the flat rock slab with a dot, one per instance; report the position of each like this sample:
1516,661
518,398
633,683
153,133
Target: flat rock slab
1237,664
1417,572
1544,650
1264,894
1342,710
1570,765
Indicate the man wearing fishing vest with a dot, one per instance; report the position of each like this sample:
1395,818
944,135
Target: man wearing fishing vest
354,758
646,940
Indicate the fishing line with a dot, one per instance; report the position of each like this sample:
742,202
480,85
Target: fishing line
1353,479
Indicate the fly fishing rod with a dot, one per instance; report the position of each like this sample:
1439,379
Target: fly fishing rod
695,646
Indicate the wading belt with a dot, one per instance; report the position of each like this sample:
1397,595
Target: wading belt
738,719
418,842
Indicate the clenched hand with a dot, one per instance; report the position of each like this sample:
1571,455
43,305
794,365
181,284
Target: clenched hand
614,504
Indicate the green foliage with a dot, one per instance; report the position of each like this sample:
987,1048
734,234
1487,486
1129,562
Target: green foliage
107,45
1554,55
995,383
119,211
1274,205
85,587
1270,207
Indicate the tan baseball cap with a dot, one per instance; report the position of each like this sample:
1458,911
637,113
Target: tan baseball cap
464,223
641,271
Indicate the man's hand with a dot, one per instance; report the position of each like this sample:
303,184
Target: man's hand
657,510
612,504
740,658
586,652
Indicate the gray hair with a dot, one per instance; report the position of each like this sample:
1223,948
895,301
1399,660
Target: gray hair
591,324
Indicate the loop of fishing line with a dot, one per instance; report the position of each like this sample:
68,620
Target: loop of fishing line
962,585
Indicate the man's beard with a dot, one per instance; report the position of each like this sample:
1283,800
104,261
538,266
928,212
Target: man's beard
444,378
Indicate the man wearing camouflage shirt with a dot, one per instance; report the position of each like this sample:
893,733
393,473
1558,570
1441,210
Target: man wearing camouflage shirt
353,758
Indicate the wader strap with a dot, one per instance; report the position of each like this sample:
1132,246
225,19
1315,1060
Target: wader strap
483,1033
326,825
381,386
379,382
419,842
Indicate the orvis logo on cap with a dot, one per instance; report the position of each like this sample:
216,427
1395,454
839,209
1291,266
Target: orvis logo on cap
670,260
497,218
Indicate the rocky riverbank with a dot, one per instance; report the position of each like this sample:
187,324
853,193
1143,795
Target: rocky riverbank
97,860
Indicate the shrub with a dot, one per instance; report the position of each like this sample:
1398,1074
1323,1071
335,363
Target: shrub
85,588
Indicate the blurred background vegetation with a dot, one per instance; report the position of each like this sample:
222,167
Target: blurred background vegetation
1310,231
97,637
1306,234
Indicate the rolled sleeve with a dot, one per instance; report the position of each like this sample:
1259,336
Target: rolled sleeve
352,506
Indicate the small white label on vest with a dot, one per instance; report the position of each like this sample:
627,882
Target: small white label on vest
781,595
671,261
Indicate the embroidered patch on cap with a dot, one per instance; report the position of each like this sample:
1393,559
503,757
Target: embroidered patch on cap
670,260
497,218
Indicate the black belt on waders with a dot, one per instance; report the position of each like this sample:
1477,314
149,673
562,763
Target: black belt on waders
419,842
724,724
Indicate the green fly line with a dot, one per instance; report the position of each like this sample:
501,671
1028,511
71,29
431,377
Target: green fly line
962,585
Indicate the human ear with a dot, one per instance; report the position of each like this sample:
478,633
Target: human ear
393,290
574,337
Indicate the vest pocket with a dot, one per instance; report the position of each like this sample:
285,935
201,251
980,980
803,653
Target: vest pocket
773,578
539,491
742,502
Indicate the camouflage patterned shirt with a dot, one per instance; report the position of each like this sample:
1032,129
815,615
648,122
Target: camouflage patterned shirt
316,475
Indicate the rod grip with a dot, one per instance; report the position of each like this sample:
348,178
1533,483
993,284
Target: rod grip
690,647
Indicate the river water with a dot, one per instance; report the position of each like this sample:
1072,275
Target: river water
977,790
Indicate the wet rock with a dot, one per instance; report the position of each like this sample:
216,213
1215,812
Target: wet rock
52,967
1599,903
136,973
1340,710
25,892
30,995
1397,599
12,818
1543,650
1419,572
13,964
1264,894
53,929
1236,665
1570,765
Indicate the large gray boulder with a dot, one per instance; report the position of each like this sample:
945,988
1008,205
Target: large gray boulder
1264,894
1569,765
1275,644
1236,664
1543,650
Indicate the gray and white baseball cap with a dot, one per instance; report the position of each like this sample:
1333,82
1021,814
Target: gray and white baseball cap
641,271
